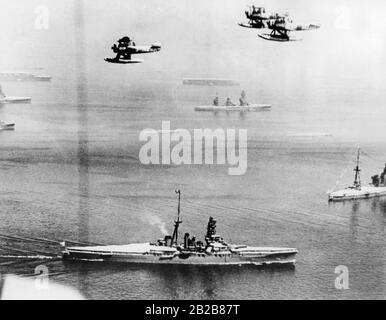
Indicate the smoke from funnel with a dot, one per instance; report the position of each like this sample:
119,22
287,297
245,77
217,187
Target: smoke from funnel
156,221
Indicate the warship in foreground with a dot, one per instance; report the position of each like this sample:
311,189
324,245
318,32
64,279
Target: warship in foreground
214,251
376,188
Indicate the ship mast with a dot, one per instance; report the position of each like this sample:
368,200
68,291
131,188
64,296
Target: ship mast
176,222
357,181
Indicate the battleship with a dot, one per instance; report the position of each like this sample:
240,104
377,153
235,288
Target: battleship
213,251
230,106
377,188
251,107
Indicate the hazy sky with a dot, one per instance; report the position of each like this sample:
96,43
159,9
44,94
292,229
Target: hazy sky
202,37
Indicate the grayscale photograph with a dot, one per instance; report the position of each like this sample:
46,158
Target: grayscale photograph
180,150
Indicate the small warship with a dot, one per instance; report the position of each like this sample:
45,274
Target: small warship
22,76
7,99
376,188
209,82
6,126
213,251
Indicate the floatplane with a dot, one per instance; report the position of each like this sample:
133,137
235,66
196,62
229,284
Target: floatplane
279,24
126,47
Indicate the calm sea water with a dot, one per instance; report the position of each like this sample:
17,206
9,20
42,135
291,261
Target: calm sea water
71,171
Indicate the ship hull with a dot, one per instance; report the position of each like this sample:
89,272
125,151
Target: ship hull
210,82
22,77
7,126
252,107
354,194
262,258
15,100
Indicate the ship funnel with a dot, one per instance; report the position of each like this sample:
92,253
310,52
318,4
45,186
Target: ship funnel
186,240
166,239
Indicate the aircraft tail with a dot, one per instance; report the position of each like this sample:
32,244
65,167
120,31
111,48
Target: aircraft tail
156,46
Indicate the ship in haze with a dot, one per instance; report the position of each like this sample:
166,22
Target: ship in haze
6,99
376,188
213,251
209,82
23,76
6,126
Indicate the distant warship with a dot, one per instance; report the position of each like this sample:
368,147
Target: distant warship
6,126
7,99
376,188
167,250
22,76
209,82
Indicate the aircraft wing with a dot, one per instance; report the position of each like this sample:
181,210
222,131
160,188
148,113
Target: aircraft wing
301,27
145,49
